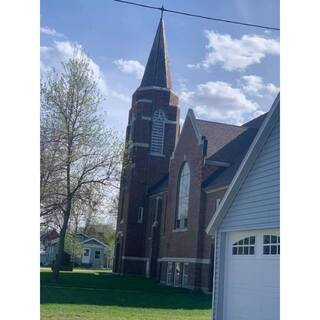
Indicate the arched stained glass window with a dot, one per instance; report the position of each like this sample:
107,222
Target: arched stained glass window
157,133
183,197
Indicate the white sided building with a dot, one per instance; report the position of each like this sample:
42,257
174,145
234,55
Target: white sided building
246,229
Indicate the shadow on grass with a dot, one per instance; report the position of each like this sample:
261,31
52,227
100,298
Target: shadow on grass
102,288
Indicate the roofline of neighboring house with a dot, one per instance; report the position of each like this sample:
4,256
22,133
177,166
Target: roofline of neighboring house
87,240
245,166
83,234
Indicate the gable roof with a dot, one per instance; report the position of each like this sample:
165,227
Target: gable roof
232,153
256,122
157,71
218,134
245,165
96,240
226,143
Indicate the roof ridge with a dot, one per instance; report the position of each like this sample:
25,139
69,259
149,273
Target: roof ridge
222,123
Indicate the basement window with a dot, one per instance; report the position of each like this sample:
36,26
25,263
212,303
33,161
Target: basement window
185,275
244,246
177,274
169,273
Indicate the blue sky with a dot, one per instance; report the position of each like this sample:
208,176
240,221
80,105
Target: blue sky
226,73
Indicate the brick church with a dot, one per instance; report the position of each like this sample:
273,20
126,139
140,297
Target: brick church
174,182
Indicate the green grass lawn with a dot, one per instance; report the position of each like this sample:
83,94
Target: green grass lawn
97,295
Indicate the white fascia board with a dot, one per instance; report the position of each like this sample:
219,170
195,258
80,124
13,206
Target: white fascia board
94,239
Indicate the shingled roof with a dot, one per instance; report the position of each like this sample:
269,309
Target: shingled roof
232,153
160,186
226,143
218,134
157,72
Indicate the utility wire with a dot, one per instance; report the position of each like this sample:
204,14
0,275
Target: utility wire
162,9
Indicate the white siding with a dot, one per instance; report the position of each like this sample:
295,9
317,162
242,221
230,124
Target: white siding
257,204
218,275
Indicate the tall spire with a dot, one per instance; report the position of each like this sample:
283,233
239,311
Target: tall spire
157,72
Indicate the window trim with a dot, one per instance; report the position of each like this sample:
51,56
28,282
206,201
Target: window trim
86,252
240,244
271,244
95,254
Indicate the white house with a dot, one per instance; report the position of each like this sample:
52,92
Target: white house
95,253
246,230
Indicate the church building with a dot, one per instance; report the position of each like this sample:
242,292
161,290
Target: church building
174,182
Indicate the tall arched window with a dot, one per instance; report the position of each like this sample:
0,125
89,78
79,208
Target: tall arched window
157,134
183,197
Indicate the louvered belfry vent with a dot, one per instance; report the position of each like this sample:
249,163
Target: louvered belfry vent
157,134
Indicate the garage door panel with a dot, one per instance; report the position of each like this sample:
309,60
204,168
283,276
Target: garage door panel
251,289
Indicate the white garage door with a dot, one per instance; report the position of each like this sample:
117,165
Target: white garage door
252,268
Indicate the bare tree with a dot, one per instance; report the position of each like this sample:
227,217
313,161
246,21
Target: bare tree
79,155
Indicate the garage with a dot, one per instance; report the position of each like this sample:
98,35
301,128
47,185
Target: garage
251,275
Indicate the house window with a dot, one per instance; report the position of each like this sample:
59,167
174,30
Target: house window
177,274
169,273
97,254
185,275
86,252
244,247
140,214
157,133
271,244
183,197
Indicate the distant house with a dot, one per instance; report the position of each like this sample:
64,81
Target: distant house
246,230
95,253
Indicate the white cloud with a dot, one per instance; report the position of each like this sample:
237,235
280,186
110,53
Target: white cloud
130,67
120,96
254,85
194,66
220,101
236,53
50,32
61,51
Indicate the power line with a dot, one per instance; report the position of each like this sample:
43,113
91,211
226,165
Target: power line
162,9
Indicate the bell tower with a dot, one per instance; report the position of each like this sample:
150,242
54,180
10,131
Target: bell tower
152,132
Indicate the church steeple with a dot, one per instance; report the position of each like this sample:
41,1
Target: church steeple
157,72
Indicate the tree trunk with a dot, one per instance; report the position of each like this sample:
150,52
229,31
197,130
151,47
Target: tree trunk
57,265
